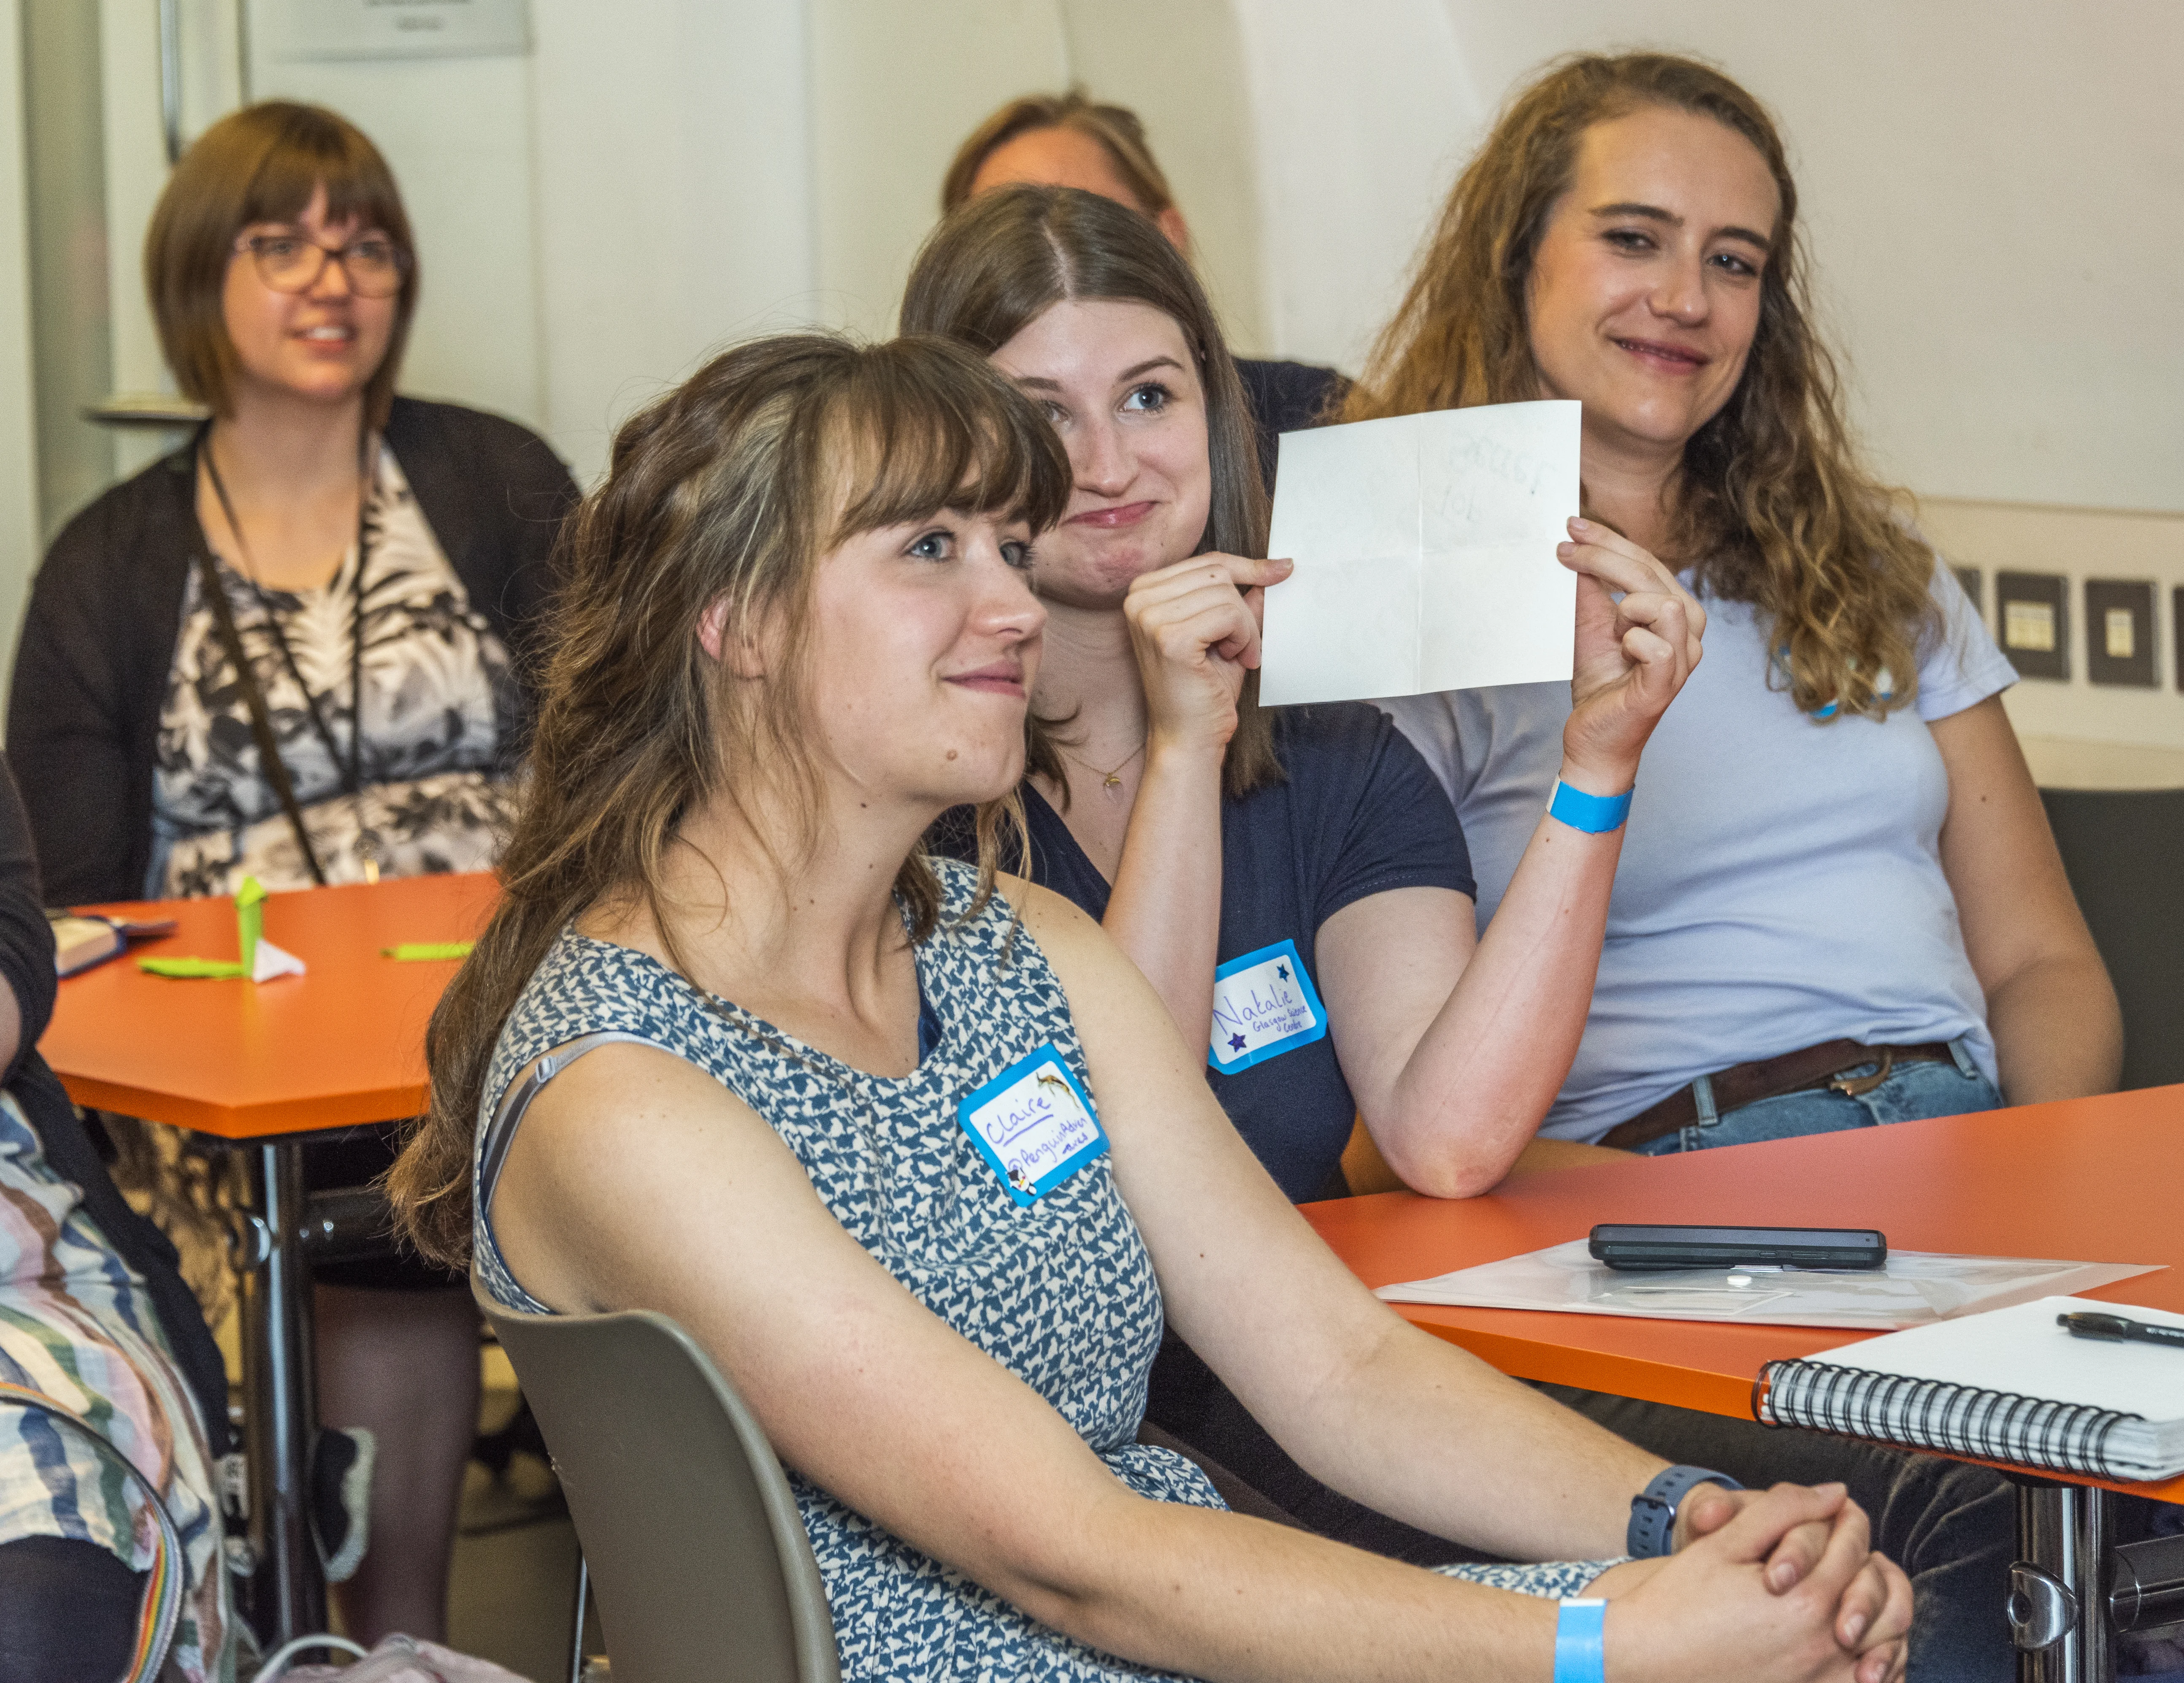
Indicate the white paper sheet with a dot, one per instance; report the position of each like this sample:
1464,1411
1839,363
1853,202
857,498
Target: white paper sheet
1425,546
1914,1288
273,962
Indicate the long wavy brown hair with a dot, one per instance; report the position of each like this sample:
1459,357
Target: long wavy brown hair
728,490
1001,260
1772,507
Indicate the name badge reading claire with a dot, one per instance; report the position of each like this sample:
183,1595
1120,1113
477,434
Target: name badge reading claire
1033,1124
1264,1005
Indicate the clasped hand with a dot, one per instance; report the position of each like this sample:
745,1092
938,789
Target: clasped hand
1195,628
1779,1586
1631,657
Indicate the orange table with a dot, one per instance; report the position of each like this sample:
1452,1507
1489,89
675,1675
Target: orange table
263,1066
343,1044
2091,1181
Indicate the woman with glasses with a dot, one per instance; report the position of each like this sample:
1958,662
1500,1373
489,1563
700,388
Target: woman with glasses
292,650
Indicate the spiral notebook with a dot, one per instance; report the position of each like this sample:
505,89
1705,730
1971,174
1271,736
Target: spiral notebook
2008,1384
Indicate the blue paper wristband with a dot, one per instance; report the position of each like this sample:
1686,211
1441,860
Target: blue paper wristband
1594,814
1580,1647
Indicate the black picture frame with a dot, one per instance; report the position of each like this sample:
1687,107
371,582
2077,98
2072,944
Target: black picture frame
2034,608
2119,632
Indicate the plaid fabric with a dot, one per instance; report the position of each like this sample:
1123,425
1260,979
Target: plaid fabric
76,1326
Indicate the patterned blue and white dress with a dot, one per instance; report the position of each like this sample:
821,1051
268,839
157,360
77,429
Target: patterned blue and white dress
1060,1292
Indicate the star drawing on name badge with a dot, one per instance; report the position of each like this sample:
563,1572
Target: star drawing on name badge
1282,971
1235,1043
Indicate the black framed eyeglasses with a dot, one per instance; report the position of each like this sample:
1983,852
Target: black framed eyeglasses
289,263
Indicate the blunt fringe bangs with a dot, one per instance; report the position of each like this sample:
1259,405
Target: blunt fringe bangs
915,439
262,164
1774,507
724,495
1000,261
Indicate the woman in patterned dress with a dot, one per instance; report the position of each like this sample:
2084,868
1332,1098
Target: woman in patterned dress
369,563
924,1143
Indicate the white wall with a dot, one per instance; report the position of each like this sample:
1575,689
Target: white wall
1993,191
896,88
1994,195
673,171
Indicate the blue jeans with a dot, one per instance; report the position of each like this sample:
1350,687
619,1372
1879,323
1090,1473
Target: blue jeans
1912,1090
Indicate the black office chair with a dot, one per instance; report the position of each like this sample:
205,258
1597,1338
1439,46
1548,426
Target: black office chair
2124,851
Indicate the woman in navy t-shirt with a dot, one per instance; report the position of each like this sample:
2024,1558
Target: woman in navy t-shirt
1293,882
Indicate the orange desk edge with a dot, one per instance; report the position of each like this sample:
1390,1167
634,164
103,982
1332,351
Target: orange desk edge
2089,1180
341,1044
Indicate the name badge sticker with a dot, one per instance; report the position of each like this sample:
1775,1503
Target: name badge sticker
1033,1124
1264,1005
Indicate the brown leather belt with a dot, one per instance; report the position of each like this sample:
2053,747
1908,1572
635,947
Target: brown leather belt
1820,1065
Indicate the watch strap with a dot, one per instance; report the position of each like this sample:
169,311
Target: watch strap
1654,1509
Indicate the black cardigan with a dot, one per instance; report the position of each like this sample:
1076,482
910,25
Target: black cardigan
26,970
105,611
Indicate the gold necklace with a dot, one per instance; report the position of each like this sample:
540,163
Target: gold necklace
1111,780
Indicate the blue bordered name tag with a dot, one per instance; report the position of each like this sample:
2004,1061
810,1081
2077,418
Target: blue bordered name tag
1264,1005
1033,1124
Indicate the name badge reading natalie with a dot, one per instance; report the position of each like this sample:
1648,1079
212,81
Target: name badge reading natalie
1033,1124
1264,1005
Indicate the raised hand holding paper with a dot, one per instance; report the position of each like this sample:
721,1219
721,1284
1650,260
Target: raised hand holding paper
1425,546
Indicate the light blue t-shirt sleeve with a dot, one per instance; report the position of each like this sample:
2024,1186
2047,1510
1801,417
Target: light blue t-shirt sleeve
1960,664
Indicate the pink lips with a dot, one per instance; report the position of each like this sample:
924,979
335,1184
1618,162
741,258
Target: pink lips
1665,358
1003,677
1115,518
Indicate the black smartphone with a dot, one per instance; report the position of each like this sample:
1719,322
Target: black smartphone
1641,1246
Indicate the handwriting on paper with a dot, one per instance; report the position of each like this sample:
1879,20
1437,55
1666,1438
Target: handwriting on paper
1425,546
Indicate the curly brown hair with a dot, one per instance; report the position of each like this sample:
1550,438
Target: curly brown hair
1772,507
727,490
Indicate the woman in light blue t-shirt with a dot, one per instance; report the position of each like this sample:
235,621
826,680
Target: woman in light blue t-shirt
1838,903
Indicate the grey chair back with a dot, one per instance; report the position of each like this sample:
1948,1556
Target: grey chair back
698,1563
2123,850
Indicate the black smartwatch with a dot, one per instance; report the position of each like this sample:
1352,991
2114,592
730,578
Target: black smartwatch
1654,1509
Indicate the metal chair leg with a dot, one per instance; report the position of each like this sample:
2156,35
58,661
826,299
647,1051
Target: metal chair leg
577,1625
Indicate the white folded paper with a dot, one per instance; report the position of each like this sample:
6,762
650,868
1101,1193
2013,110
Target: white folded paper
1425,546
272,961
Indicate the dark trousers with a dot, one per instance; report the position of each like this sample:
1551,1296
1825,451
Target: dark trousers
67,1612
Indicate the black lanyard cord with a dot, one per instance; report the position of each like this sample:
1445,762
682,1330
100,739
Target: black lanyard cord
352,774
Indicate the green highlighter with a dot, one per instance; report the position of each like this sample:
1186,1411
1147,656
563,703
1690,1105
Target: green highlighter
249,930
427,952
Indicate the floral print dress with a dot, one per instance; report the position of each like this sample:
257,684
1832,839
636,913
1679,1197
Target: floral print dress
435,766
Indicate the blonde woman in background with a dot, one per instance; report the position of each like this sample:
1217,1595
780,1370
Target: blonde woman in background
1839,904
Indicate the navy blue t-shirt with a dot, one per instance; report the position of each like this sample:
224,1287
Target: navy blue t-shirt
1359,814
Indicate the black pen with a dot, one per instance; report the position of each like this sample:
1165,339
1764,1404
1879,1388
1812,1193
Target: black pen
2116,1327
